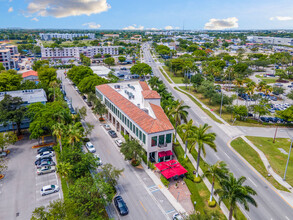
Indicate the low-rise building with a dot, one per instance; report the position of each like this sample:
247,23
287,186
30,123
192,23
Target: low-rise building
66,36
110,35
135,110
74,52
271,40
9,56
30,75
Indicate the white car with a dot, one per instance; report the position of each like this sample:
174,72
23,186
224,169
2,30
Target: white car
46,190
177,216
118,142
45,154
99,161
90,147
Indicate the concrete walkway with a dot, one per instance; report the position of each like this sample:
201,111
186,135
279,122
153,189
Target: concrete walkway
205,180
268,166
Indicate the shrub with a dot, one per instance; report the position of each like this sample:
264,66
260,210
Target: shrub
164,181
197,179
135,163
212,203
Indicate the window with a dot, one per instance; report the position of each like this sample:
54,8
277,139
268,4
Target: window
127,123
168,138
130,126
161,139
154,141
133,129
143,138
136,132
140,135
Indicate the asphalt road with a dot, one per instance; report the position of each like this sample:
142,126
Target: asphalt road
135,186
270,204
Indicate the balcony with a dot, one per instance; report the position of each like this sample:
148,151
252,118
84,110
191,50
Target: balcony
162,145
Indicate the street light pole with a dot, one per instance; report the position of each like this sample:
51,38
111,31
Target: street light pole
288,159
221,106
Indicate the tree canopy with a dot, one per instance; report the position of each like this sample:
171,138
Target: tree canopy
9,81
141,69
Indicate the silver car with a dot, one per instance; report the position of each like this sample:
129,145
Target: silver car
45,154
90,147
49,189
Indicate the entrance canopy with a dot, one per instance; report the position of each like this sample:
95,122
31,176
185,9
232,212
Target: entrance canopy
171,168
165,153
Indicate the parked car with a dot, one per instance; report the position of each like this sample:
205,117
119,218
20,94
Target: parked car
46,190
45,154
89,104
112,133
121,205
3,154
83,97
43,149
46,169
118,142
99,161
90,147
39,161
177,216
45,163
107,127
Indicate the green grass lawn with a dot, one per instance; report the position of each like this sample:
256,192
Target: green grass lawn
199,191
167,78
252,157
176,79
277,159
267,79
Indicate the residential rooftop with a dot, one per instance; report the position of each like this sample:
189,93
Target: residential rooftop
28,96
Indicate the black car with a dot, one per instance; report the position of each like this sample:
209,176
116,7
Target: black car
112,133
43,149
83,97
39,161
120,205
45,163
89,104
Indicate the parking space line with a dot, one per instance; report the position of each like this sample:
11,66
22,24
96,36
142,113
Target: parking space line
143,206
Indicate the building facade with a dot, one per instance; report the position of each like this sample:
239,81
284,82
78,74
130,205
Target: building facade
74,52
271,40
50,36
9,56
135,110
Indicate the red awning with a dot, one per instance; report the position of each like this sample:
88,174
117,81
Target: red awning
169,153
165,153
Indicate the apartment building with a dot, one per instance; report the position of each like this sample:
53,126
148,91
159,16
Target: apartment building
271,40
74,52
110,35
50,36
135,109
9,56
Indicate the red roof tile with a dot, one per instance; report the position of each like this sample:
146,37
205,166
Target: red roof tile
144,85
141,118
150,94
29,73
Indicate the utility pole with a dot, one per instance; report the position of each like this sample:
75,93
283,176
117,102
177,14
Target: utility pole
288,159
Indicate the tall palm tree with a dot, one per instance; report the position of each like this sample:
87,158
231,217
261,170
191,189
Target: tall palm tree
74,133
187,130
154,82
58,131
202,138
233,190
179,113
261,86
268,89
217,171
64,169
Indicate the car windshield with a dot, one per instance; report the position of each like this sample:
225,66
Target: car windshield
120,204
53,186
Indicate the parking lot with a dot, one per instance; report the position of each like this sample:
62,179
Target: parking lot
20,188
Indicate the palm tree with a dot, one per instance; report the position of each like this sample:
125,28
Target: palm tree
203,138
64,169
217,171
232,189
54,85
58,131
74,133
261,86
187,130
268,89
179,113
154,82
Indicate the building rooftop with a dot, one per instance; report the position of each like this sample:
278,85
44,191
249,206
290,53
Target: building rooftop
29,73
128,96
28,96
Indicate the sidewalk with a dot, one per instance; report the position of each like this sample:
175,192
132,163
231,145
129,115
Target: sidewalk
267,165
205,180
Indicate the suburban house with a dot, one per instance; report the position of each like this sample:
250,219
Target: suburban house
30,75
28,97
135,109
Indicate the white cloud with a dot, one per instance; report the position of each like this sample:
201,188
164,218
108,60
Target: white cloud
152,29
66,8
10,9
281,18
35,19
92,25
220,24
134,27
169,27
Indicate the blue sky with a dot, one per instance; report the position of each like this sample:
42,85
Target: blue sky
147,14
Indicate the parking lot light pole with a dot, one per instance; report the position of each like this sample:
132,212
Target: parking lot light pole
288,159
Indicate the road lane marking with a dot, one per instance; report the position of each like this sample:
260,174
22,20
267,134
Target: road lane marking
252,181
143,206
170,211
227,155
287,217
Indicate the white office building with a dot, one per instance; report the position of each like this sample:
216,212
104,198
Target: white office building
50,36
135,109
270,40
74,52
9,56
